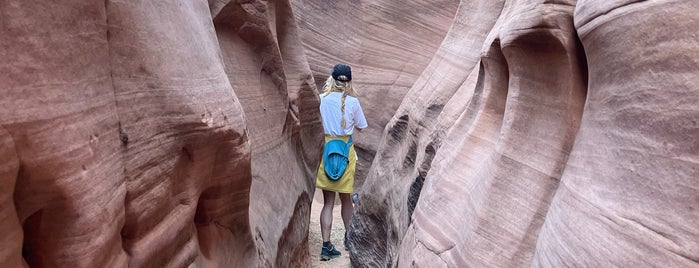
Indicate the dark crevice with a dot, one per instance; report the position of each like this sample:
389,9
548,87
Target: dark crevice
416,186
409,159
398,130
430,151
414,196
434,110
32,228
582,57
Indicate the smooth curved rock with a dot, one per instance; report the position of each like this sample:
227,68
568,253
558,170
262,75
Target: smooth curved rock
186,164
469,168
269,72
413,136
59,116
131,136
186,133
631,184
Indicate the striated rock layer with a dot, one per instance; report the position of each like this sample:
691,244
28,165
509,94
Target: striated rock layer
631,183
543,134
503,133
148,134
387,43
269,73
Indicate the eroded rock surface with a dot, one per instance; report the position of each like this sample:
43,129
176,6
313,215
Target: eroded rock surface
503,133
506,153
631,183
143,134
269,73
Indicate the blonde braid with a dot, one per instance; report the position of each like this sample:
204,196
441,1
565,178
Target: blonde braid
342,109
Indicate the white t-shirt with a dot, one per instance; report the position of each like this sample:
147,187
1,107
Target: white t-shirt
330,113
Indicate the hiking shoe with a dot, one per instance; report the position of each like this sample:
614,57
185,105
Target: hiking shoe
329,252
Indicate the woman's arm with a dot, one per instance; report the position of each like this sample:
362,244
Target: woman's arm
359,118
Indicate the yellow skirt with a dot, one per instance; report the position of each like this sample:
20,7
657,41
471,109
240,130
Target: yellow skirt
346,183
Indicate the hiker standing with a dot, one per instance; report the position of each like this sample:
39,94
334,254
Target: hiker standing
341,113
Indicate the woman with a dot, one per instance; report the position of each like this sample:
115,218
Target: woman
341,114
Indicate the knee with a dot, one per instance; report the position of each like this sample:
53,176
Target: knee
328,207
346,199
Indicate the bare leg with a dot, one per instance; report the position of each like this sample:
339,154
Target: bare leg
347,208
326,215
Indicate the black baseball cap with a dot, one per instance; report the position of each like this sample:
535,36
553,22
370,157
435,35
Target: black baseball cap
342,73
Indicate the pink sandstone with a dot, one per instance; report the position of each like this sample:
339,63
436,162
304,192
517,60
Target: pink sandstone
502,133
564,135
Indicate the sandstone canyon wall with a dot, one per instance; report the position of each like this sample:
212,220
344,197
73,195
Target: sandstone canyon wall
502,133
143,134
543,133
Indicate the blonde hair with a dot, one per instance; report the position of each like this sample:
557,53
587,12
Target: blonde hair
332,85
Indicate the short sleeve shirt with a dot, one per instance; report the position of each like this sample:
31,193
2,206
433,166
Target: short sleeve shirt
330,113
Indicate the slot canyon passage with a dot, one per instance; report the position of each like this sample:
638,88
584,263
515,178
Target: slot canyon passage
501,133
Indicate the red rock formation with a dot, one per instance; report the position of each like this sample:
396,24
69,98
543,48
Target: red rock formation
187,166
186,133
65,177
154,134
484,143
269,73
630,189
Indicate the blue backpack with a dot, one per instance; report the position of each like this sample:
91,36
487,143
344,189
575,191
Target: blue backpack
336,158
